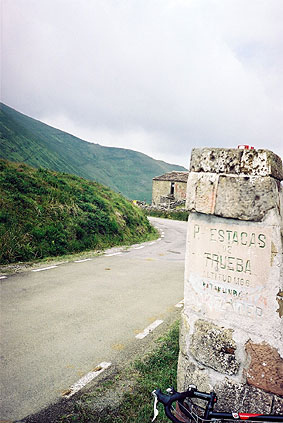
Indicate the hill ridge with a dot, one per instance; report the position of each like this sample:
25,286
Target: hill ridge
28,140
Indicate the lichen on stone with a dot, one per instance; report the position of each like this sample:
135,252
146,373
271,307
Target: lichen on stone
214,347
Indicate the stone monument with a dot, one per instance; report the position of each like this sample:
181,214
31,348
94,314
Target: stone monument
231,330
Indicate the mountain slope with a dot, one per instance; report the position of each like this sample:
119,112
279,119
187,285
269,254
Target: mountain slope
23,139
46,213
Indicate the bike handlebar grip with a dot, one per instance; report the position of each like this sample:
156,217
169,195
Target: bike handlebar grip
170,415
167,401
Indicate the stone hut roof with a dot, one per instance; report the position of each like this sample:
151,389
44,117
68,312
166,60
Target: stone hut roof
174,176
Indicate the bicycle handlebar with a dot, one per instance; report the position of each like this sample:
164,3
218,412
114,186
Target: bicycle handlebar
168,399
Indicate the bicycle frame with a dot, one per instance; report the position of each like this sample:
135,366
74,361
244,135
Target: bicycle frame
209,414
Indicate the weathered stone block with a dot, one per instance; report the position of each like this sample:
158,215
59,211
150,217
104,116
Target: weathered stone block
236,397
190,373
214,347
237,197
216,160
201,192
246,198
235,161
266,368
182,371
277,405
184,331
229,274
262,163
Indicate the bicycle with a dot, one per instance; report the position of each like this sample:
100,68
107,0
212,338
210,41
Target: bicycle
188,411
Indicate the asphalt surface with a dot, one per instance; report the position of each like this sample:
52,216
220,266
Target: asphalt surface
58,324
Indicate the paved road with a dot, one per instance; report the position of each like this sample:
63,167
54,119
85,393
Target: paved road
59,323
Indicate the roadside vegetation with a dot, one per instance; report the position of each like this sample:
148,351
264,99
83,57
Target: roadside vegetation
45,214
168,214
157,370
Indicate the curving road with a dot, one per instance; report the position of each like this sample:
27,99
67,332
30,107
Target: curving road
57,324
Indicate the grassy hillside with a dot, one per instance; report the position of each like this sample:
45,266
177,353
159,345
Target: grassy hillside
23,139
45,213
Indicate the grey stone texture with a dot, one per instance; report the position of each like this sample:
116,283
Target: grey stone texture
192,373
236,397
239,197
246,198
183,333
237,162
277,407
214,347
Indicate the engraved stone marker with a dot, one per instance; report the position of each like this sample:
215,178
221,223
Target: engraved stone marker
229,267
233,277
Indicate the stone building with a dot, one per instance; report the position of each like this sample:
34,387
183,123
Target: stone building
168,188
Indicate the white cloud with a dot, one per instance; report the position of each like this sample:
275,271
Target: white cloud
158,76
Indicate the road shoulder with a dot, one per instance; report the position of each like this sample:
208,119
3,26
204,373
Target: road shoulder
107,392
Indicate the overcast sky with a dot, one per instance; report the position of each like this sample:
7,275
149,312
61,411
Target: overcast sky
156,76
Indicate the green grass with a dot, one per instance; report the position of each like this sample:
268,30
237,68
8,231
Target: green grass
170,214
157,370
45,213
